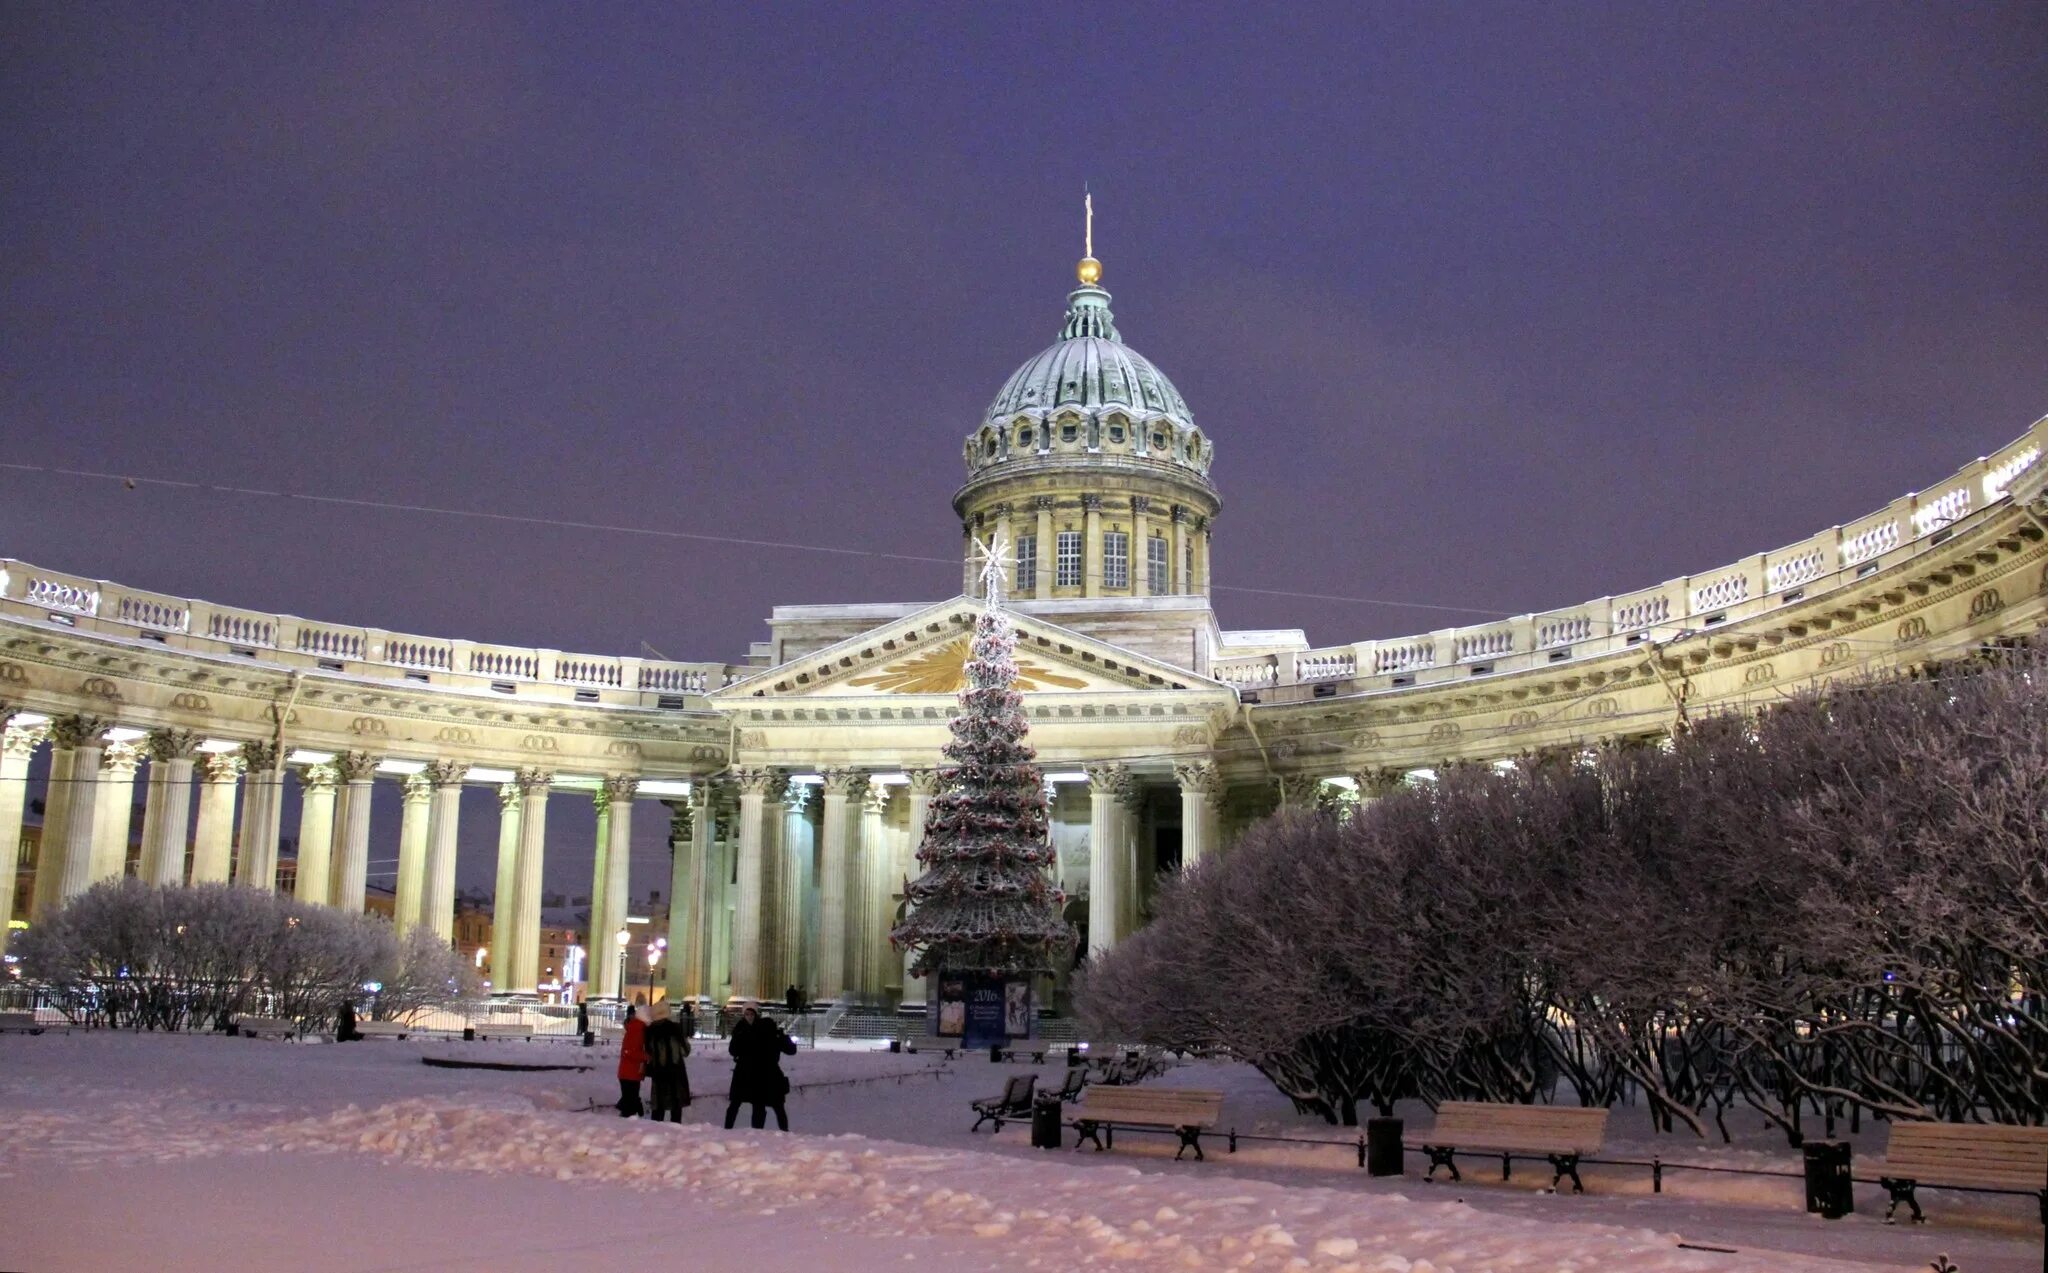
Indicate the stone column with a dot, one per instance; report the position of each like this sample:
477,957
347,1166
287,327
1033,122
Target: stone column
316,833
533,824
168,811
603,972
1107,850
720,889
444,812
1091,546
1298,791
64,861
1200,587
1176,554
262,812
18,744
683,972
834,882
213,837
924,784
619,793
416,815
504,902
795,929
877,880
1009,543
1141,548
1047,555
1200,788
116,812
1132,811
349,862
1376,783
757,788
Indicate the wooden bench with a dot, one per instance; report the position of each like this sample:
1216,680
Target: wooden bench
1183,1111
266,1027
1038,1052
1975,1157
23,1021
1014,1105
934,1043
493,1030
382,1029
1561,1134
1070,1091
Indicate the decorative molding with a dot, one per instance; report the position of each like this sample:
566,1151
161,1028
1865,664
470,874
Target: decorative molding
1986,603
368,725
99,687
544,743
188,701
456,734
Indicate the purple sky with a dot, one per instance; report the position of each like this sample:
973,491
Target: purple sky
1484,306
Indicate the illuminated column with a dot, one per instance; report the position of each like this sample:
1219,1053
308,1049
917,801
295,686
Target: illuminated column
619,793
65,862
168,811
795,932
1131,817
444,813
757,788
1047,558
533,825
1200,788
116,800
349,862
1201,543
262,814
1009,543
316,832
721,889
1176,554
878,883
1091,546
415,817
213,836
1141,548
504,903
686,857
834,883
1106,852
603,973
924,784
18,744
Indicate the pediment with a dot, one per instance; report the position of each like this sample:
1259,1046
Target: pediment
926,654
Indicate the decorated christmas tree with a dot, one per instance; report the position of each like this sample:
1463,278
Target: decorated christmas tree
987,903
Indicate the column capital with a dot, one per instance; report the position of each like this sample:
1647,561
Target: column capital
67,732
875,799
770,783
924,782
172,744
845,782
22,740
259,757
318,777
1044,503
1199,776
1374,783
356,766
120,759
1091,503
601,800
1109,778
1299,790
682,820
445,773
534,782
622,786
1140,504
508,797
804,801
220,766
1180,512
418,788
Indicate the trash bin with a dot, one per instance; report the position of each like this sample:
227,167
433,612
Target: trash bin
1383,1147
1830,1193
1045,1125
895,1045
590,1038
469,1034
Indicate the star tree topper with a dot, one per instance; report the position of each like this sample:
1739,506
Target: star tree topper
995,567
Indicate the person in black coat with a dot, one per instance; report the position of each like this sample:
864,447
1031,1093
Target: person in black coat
758,1046
667,1049
345,1023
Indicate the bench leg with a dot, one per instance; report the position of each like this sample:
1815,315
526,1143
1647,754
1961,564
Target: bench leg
1441,1156
1190,1138
1566,1165
979,1119
1087,1131
1901,1191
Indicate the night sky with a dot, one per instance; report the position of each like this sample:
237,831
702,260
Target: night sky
1497,307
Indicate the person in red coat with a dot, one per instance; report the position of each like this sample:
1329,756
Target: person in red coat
632,1065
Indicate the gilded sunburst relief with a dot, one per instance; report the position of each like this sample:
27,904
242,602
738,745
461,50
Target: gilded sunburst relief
943,670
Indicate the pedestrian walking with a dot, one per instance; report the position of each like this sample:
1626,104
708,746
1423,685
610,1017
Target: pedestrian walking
632,1064
758,1046
668,1073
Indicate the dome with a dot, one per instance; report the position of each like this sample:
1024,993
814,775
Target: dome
1091,369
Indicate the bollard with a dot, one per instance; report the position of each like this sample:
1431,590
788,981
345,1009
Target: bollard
1830,1192
1383,1147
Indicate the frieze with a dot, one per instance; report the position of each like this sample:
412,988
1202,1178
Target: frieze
1759,674
99,687
187,701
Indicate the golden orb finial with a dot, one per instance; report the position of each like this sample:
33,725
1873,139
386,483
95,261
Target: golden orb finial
1089,271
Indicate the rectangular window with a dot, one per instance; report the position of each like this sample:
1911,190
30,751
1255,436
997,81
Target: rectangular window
1116,559
1069,563
1027,563
1155,564
1187,567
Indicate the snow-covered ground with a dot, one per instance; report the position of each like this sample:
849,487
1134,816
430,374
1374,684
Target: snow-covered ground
126,1151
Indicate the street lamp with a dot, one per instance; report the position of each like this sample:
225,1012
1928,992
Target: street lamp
625,939
654,949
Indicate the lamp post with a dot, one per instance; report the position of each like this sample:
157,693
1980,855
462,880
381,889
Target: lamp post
624,939
654,950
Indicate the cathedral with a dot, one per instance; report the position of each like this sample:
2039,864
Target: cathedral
794,781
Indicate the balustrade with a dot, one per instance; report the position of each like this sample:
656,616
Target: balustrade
1403,656
1483,645
1325,667
1793,571
1720,593
1875,541
1940,511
